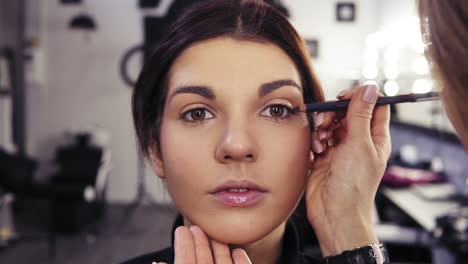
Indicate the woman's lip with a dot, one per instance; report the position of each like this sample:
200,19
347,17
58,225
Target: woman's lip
244,198
244,184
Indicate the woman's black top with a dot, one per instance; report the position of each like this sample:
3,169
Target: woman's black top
292,249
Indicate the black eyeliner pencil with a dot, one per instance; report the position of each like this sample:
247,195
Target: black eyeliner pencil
341,105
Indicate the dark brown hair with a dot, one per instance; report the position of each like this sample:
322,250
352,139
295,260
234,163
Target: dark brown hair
242,20
444,25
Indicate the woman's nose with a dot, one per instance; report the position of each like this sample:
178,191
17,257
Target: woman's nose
236,145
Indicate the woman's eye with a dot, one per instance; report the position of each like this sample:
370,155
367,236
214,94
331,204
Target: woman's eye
197,115
277,111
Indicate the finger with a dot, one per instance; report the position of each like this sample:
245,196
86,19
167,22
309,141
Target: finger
346,93
380,124
240,256
360,111
322,134
342,94
317,145
338,135
341,131
337,123
380,133
318,120
325,135
323,120
221,252
184,246
202,245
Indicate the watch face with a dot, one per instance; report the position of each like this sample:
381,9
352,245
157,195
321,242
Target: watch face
377,253
380,254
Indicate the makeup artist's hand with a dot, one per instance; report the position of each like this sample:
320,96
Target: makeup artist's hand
191,245
341,190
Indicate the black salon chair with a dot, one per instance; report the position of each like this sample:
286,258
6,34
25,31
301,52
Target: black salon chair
78,189
75,195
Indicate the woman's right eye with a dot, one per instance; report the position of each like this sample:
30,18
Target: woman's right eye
197,115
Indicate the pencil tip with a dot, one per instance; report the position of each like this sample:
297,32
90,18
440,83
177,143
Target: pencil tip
301,108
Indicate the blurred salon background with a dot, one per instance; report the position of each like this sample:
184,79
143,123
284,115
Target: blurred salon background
73,188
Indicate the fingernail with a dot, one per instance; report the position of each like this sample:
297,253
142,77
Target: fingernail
369,94
177,234
318,119
342,93
322,134
192,228
318,146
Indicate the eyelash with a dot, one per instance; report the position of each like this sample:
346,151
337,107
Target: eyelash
289,113
184,115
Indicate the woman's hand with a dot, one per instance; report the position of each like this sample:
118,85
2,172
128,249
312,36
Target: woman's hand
341,189
191,245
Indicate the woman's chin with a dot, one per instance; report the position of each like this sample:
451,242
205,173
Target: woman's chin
238,233
236,237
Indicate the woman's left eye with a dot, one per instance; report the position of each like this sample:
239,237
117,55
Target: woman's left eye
277,111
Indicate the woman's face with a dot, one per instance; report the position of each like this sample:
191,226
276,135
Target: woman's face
234,159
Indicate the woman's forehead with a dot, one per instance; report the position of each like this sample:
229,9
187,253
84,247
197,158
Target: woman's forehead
228,62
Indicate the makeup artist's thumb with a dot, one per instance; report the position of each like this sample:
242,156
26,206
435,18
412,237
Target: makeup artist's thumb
360,111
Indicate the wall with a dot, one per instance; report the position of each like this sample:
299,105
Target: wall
81,86
73,81
340,43
401,16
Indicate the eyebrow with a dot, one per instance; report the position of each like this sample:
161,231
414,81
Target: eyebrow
203,91
208,93
267,88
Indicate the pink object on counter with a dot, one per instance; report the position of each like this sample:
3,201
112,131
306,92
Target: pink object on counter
400,177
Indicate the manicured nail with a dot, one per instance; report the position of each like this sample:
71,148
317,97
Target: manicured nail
318,146
322,134
369,94
318,119
342,93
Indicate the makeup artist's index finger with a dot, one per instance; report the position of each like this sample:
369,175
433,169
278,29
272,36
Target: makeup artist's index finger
328,118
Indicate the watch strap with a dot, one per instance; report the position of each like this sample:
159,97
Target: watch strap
371,254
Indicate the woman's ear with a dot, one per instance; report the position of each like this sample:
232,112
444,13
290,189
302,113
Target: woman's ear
156,161
311,157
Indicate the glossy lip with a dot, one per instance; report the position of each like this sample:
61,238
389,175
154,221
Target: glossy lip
253,195
238,185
